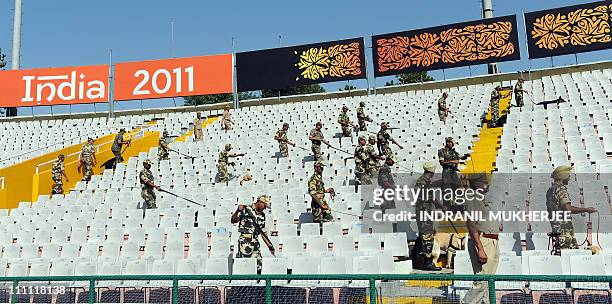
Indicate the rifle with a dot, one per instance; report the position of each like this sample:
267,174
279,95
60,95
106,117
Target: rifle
264,236
176,195
179,153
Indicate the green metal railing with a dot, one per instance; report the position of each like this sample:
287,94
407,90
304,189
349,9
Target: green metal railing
371,278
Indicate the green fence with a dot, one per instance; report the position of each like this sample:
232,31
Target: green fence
268,281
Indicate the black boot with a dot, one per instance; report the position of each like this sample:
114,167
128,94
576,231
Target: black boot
428,265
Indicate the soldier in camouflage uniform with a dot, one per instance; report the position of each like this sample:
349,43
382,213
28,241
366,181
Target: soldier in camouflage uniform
198,135
283,141
442,109
426,228
316,137
57,172
320,209
248,241
384,138
496,96
386,181
362,158
449,160
88,159
345,122
557,200
147,185
518,92
223,161
163,150
362,118
117,145
372,165
226,120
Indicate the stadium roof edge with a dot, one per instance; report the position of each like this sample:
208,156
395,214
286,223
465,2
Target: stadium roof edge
432,85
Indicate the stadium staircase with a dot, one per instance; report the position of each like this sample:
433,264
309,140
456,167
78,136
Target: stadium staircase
484,151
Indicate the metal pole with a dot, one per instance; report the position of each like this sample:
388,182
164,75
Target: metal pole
268,291
16,36
172,38
234,75
111,102
487,12
372,291
576,57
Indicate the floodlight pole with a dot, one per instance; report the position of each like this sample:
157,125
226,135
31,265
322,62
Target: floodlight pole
487,12
16,47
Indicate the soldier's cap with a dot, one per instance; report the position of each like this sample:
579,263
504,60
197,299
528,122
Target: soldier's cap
319,164
344,107
122,130
449,139
521,79
318,123
228,147
384,124
372,137
147,162
498,87
361,137
89,138
430,166
264,199
61,156
227,107
478,177
561,172
286,124
165,132
362,104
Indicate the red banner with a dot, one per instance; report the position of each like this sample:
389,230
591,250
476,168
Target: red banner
54,86
173,77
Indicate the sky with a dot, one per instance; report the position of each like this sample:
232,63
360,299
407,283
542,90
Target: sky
70,32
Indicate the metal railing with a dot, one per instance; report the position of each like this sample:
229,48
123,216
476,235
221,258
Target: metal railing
65,141
372,280
135,135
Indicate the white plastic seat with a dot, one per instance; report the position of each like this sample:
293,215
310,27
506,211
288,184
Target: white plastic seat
545,265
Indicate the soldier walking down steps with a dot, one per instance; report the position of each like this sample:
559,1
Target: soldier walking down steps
321,212
198,135
147,184
427,204
57,173
316,138
362,159
496,96
443,110
449,160
519,92
163,150
87,159
248,241
345,122
223,161
117,145
283,141
558,200
362,117
384,138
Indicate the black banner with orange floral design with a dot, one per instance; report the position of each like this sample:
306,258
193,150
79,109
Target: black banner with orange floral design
299,65
570,29
446,46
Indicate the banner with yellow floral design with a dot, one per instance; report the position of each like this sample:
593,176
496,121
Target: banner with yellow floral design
298,65
569,30
446,46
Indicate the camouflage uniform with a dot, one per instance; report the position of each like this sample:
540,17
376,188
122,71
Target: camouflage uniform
426,228
494,104
147,191
442,109
362,159
56,176
198,135
449,171
316,144
163,151
87,159
284,148
227,121
518,94
346,129
116,148
383,138
385,177
556,199
315,186
361,119
372,166
248,242
222,166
